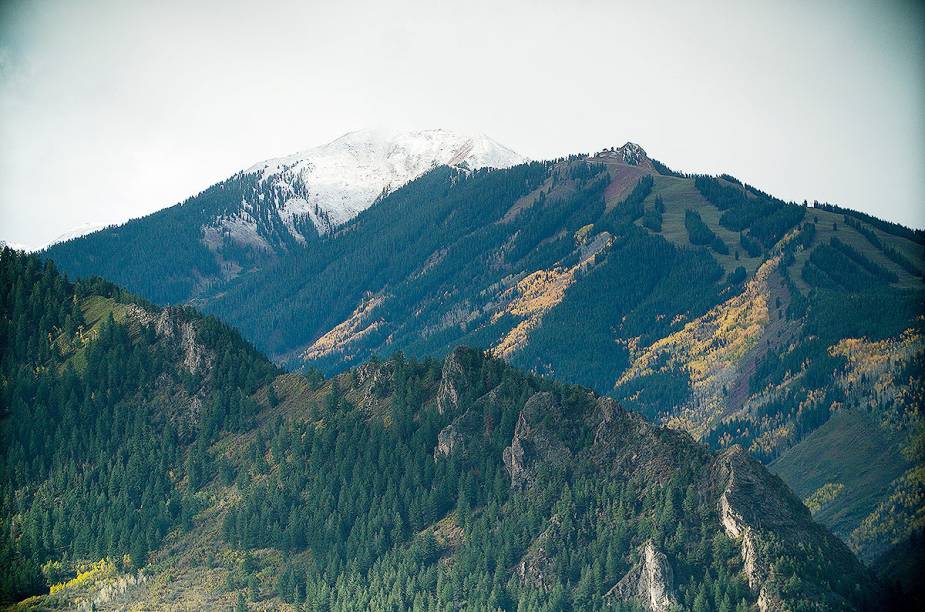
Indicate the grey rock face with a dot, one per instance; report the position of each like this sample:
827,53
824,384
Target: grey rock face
453,380
759,512
449,440
534,443
170,323
650,582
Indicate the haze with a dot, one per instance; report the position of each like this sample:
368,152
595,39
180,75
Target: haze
110,110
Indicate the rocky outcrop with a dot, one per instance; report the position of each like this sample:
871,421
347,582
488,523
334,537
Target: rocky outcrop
170,323
754,508
625,443
515,456
466,429
448,440
374,381
454,379
759,512
533,569
630,153
649,583
534,442
740,517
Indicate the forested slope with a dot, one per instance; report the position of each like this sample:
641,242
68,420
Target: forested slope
152,458
701,302
108,407
176,254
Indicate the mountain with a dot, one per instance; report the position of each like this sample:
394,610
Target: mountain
267,210
81,230
108,403
701,302
152,459
334,182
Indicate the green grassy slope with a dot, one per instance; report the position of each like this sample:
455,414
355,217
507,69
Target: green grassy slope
679,194
850,449
825,219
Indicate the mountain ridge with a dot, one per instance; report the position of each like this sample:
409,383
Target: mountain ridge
271,208
701,302
228,478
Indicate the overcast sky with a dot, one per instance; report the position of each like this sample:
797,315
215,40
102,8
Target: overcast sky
110,110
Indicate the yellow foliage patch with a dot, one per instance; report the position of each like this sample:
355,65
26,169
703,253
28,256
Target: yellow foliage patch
582,234
823,496
533,296
355,327
91,573
871,374
710,348
900,514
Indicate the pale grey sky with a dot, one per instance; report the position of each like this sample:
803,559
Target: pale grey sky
110,110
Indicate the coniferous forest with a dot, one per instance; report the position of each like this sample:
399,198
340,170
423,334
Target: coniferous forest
282,329
130,430
96,460
728,345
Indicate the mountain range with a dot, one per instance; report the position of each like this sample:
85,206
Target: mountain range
157,461
705,305
270,209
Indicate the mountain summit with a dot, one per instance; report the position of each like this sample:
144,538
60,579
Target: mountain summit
346,175
630,153
330,184
274,207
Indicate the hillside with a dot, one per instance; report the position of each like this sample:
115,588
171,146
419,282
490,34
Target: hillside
108,407
208,480
701,302
267,210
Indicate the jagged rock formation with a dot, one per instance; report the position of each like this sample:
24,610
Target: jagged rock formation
656,453
171,324
461,433
454,380
448,440
535,443
650,582
753,507
767,520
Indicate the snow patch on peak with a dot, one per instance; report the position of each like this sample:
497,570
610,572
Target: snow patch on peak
632,153
81,230
347,175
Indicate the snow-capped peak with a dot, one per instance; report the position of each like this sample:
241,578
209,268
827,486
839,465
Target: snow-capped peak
348,174
81,230
328,185
16,246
